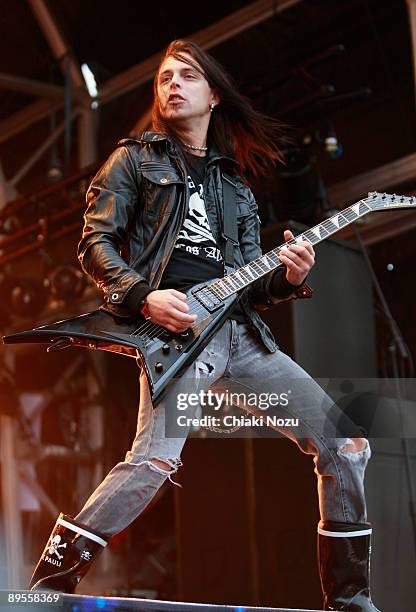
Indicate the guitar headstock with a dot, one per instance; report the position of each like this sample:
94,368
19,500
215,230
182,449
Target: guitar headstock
383,201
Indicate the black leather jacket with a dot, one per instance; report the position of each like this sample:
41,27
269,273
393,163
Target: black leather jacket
136,206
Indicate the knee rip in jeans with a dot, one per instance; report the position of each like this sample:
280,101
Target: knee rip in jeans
355,449
205,367
166,467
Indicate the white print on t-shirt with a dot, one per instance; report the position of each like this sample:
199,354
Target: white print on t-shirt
210,252
195,229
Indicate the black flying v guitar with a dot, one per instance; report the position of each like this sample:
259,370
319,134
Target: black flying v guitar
164,354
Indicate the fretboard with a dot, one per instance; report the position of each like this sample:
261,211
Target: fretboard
244,276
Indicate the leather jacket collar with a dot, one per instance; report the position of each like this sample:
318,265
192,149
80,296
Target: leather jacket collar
148,137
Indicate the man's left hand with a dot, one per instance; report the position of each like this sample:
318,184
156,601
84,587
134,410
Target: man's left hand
298,259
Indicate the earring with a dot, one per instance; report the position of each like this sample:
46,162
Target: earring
212,106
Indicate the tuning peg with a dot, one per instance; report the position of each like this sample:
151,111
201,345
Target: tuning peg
384,196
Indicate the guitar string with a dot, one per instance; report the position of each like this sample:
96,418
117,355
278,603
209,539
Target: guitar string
149,327
328,225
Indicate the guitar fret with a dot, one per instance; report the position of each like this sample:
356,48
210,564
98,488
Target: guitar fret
252,265
260,265
332,226
313,239
248,271
246,274
232,282
235,283
274,257
239,277
227,284
270,261
364,208
342,220
350,214
218,290
264,262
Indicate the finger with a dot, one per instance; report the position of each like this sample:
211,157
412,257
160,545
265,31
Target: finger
292,265
297,266
178,294
295,257
301,251
303,244
179,305
288,235
180,317
176,327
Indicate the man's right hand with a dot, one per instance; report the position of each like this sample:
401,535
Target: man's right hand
168,307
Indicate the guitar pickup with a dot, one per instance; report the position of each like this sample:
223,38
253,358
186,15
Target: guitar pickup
208,299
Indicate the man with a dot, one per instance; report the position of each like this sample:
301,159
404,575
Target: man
158,201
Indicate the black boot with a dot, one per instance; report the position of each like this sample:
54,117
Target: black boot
344,566
67,557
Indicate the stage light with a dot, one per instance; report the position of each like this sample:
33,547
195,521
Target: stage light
333,147
326,136
54,173
89,79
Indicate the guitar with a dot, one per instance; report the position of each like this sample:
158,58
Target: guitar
164,354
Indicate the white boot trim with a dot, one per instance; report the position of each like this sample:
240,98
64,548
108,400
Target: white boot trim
82,531
344,534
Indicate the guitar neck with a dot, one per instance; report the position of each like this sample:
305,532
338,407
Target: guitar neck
248,274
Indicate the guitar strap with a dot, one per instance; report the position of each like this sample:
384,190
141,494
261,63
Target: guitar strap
230,231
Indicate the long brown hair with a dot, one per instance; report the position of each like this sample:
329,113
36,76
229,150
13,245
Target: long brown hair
236,129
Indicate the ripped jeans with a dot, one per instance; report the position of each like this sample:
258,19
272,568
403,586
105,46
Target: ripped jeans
235,358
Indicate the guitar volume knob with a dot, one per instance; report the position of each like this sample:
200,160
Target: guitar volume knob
158,367
165,349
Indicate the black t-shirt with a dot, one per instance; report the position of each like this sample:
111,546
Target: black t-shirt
195,257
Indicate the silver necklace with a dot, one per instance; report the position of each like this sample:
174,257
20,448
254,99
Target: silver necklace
195,147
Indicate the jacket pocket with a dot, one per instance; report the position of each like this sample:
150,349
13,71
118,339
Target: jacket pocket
159,174
159,182
243,210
